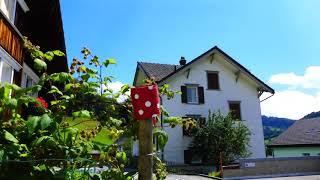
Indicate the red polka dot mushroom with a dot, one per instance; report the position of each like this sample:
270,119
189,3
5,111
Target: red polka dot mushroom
146,102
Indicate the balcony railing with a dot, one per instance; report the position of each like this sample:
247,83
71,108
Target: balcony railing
10,39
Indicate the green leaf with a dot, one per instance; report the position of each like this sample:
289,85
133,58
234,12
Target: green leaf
45,121
32,123
8,136
161,136
24,155
60,77
85,77
58,53
67,87
5,91
121,156
49,55
125,88
54,102
112,61
47,140
40,64
55,90
1,155
11,103
14,87
109,61
38,53
82,114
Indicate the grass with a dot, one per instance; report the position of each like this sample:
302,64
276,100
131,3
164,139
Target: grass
101,138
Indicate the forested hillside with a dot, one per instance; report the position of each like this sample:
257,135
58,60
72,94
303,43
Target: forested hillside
274,126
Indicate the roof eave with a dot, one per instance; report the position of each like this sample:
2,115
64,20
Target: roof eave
136,73
292,145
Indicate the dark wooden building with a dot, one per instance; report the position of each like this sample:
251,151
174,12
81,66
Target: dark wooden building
41,22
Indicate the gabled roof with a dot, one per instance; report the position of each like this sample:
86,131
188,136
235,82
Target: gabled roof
302,133
158,71
161,72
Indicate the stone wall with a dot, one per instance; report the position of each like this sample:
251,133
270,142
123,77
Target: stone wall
275,167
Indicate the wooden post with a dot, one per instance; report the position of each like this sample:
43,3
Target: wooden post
145,150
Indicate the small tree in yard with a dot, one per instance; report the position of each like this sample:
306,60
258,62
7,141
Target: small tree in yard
221,134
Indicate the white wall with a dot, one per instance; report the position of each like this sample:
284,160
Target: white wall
244,90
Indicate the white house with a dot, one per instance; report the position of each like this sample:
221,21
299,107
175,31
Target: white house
213,81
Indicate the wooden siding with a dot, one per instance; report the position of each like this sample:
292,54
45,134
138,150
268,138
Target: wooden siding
10,39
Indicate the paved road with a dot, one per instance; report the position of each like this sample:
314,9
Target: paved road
185,177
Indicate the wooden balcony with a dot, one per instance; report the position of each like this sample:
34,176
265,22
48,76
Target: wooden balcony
10,39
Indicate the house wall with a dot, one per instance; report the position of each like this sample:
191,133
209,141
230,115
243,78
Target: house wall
244,91
295,151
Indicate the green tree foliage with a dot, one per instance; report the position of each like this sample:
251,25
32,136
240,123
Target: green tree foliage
220,134
43,144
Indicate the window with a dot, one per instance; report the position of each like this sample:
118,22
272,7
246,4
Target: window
201,121
213,80
192,94
29,81
235,110
29,78
6,73
305,154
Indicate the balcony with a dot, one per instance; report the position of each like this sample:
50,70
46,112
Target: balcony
10,39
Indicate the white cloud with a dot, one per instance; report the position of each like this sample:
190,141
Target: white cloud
116,87
291,104
310,79
294,102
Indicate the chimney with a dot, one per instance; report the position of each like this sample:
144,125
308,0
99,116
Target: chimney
182,61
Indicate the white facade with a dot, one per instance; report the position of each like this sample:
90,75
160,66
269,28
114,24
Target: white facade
242,88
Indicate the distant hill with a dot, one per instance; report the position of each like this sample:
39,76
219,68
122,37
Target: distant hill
312,115
274,126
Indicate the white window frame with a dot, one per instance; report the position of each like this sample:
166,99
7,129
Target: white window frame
27,71
1,67
5,57
196,94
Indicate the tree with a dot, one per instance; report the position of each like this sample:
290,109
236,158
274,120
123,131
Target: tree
220,134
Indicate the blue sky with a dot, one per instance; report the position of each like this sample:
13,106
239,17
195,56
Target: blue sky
269,37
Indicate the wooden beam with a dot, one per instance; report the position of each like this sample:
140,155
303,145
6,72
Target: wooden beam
212,58
260,92
188,72
145,150
237,74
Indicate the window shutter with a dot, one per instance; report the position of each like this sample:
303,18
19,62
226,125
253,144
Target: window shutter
201,95
184,94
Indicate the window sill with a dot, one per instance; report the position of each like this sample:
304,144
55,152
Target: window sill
213,89
193,103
